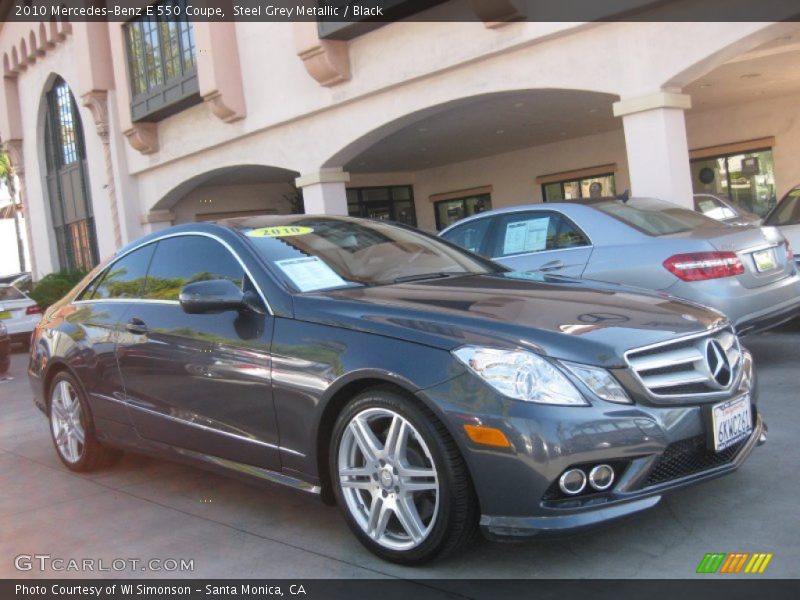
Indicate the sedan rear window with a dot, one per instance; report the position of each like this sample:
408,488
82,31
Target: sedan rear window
655,217
10,293
315,253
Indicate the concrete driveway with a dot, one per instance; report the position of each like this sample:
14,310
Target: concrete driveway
144,509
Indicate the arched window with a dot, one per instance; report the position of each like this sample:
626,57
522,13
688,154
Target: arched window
67,189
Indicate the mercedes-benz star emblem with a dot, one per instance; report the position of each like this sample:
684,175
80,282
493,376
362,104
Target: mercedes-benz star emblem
718,364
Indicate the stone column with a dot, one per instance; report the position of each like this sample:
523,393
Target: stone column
655,140
97,102
324,191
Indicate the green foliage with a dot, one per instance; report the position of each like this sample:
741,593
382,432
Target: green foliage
51,288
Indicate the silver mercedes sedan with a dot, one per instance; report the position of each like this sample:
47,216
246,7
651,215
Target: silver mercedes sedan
747,273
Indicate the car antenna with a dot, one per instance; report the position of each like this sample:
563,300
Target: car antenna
624,196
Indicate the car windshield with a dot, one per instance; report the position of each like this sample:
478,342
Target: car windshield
9,292
788,210
655,217
317,253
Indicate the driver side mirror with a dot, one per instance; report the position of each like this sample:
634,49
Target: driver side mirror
215,296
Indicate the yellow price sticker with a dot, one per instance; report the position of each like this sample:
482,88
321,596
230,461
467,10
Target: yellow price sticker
283,231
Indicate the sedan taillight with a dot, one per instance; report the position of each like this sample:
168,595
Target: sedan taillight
33,310
789,252
697,266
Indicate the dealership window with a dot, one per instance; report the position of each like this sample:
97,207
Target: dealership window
744,176
162,62
67,182
388,203
454,209
599,186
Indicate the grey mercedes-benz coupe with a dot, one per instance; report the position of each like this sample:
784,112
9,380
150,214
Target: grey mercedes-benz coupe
425,390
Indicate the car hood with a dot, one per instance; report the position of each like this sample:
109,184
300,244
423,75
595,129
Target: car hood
588,322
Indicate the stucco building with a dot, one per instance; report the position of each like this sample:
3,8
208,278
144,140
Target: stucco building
117,129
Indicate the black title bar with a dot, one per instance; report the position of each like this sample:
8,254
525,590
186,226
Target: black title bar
349,11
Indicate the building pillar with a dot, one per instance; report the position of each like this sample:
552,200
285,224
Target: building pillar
156,220
655,140
324,191
17,160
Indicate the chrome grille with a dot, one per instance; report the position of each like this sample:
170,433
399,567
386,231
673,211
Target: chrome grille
689,366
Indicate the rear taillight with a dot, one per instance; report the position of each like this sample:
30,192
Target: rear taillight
697,266
789,252
33,310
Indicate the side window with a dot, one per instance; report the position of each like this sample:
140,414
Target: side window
123,278
182,260
470,236
525,233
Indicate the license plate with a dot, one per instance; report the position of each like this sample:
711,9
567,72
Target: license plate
765,259
731,422
5,314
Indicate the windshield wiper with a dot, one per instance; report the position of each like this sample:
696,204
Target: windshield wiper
420,277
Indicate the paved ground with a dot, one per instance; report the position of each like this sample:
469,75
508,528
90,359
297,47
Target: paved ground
146,508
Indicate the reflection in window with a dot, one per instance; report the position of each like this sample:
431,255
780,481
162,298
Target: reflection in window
390,203
600,186
126,277
67,191
183,260
746,179
161,58
449,211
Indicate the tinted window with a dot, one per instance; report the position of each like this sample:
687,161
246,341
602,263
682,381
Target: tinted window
10,293
655,217
123,278
182,260
523,233
788,211
469,235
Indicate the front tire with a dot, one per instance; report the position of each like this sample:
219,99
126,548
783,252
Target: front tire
400,480
72,429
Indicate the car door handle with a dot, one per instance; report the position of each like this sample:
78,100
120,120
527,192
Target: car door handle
553,265
136,326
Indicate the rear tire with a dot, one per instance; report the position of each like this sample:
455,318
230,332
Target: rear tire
400,480
72,428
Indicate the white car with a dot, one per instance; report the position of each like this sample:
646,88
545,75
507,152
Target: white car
786,217
18,313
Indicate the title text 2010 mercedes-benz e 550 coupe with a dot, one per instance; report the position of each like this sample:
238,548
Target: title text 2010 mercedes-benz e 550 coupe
425,390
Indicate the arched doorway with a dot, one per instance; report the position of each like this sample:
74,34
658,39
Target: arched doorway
71,213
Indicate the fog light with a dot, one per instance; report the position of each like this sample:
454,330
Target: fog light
601,477
572,482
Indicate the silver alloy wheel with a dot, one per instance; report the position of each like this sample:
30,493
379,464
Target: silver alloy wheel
65,421
388,479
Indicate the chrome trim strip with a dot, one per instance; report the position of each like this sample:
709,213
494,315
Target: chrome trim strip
225,244
260,472
205,427
129,300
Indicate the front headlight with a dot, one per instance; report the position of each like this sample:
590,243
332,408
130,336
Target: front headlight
520,375
600,382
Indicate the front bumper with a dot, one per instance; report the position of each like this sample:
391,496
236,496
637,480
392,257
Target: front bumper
654,448
594,513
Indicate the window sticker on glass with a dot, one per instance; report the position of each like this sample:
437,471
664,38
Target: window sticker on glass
310,274
283,231
526,236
